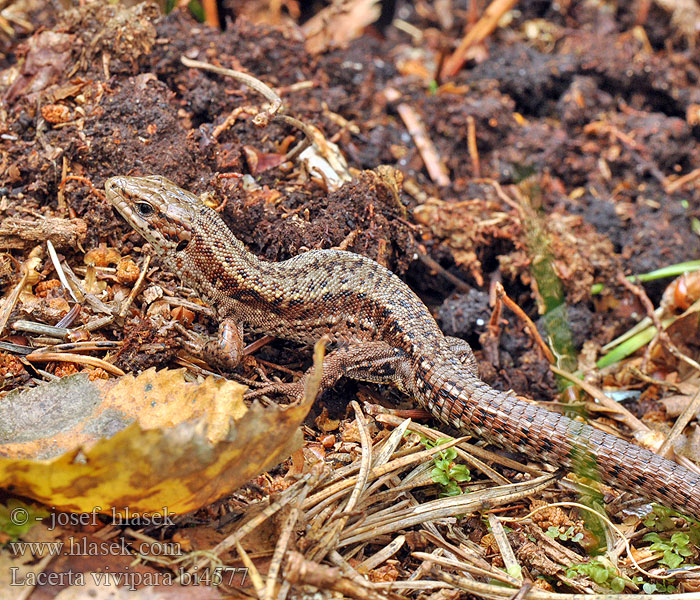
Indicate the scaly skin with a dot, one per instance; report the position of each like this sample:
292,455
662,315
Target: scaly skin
384,334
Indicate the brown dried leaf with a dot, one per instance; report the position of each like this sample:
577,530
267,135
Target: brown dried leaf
338,24
466,225
47,56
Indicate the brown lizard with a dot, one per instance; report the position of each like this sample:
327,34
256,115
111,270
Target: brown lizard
383,333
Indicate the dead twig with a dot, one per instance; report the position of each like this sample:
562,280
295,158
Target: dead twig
301,571
211,13
136,289
471,145
618,411
29,277
263,117
672,186
475,35
431,158
74,358
18,234
685,417
529,325
436,266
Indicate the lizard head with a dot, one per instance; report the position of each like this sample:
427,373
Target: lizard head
159,210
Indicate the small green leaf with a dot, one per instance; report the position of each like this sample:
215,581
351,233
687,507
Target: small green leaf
599,573
450,454
680,539
515,571
695,225
671,560
197,10
460,473
617,584
438,476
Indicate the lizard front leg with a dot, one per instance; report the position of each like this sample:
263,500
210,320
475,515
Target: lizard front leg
224,351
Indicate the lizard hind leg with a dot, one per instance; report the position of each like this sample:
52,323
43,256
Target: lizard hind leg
370,361
464,353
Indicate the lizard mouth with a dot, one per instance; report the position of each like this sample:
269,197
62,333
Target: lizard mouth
117,190
143,202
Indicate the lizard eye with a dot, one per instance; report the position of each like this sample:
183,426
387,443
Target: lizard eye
181,246
144,209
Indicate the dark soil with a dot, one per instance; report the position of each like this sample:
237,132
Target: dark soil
598,118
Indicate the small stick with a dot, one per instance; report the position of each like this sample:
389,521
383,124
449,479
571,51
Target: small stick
619,411
671,187
433,264
11,299
60,333
471,145
678,427
136,288
211,13
301,571
426,148
62,205
476,34
74,358
257,344
262,118
501,295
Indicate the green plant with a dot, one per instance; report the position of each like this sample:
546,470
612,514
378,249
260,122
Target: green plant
446,473
675,549
602,573
658,587
666,519
660,518
16,518
667,271
564,536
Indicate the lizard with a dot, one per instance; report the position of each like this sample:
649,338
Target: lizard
382,332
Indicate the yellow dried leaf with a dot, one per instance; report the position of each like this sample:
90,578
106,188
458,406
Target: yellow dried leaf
190,444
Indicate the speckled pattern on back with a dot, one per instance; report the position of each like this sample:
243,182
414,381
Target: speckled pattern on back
384,333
